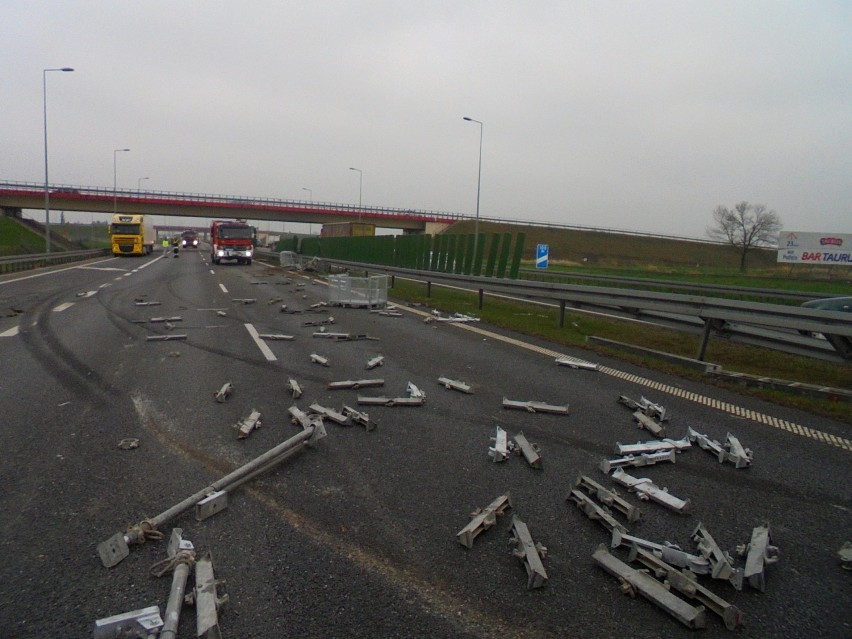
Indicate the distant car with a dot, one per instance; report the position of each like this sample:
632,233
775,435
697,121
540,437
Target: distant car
843,304
189,239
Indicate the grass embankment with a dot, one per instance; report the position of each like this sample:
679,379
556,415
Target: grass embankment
17,239
541,321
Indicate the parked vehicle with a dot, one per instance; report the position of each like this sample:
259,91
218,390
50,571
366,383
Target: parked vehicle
231,240
131,235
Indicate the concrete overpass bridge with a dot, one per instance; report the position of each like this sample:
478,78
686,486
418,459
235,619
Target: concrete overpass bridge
15,196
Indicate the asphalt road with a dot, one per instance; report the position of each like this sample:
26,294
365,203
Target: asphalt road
355,537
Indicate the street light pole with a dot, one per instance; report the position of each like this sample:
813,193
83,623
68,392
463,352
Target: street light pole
46,183
478,185
115,153
311,198
139,183
360,184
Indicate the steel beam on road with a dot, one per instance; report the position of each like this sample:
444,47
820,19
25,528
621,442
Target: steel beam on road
483,519
529,552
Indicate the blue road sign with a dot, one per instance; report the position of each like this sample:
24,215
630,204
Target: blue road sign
542,254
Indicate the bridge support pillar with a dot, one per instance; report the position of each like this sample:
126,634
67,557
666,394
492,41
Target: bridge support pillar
11,211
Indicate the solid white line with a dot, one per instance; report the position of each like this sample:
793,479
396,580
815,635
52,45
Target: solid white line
222,286
267,353
59,270
10,332
63,307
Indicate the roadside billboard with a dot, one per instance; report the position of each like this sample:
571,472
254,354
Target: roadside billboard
815,248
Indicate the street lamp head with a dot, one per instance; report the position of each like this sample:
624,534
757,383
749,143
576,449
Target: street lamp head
467,118
117,150
66,69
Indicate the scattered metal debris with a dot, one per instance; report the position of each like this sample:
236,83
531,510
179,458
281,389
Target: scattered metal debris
669,553
500,450
221,314
650,424
244,300
378,360
274,300
646,406
164,338
414,392
246,426
653,446
180,558
609,498
529,552
721,563
576,363
647,490
294,388
360,418
530,452
276,337
300,418
116,548
355,384
323,322
206,599
732,451
390,401
635,461
318,304
633,581
145,622
759,553
452,384
594,511
345,337
319,359
160,320
536,407
483,519
388,313
330,413
148,303
456,317
129,443
685,584
224,393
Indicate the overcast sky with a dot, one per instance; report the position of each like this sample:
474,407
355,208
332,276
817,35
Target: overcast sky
632,115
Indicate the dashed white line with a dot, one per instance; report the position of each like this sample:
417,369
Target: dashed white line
11,332
63,307
267,353
222,286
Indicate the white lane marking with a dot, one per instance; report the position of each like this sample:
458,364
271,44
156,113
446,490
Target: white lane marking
97,268
63,307
10,332
267,353
222,286
212,272
59,270
88,294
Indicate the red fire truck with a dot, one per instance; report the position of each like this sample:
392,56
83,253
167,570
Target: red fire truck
231,240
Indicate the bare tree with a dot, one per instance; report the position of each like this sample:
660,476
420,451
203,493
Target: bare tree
747,226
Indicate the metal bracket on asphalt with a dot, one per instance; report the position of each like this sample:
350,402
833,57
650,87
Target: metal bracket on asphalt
529,451
345,337
160,320
414,392
500,450
667,552
686,585
224,393
319,359
390,401
244,300
144,623
529,552
576,363
164,338
294,388
483,520
649,424
732,451
536,407
247,425
355,384
323,322
299,417
116,548
721,563
452,384
759,553
332,414
636,461
653,446
633,581
609,498
378,360
277,337
647,407
211,504
207,600
594,511
360,418
147,303
646,490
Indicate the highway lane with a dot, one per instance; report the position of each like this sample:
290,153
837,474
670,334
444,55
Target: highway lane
356,537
